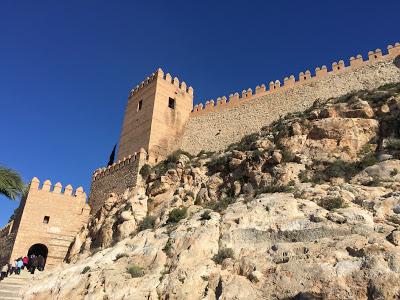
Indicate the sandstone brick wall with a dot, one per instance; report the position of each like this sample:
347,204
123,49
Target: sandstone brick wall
67,212
115,179
218,125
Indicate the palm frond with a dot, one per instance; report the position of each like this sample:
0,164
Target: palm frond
11,184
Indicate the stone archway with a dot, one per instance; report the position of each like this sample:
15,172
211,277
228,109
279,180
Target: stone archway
39,249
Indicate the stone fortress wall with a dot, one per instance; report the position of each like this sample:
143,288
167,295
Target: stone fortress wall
115,179
48,216
217,124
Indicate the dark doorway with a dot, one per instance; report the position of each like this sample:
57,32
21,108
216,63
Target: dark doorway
39,249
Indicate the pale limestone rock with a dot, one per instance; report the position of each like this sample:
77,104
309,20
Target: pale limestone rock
288,172
382,171
277,156
356,215
127,228
126,215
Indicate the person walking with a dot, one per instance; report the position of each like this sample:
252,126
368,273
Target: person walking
35,264
40,263
15,265
25,260
4,271
20,264
30,262
10,268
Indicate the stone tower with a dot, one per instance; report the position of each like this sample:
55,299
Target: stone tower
155,117
47,221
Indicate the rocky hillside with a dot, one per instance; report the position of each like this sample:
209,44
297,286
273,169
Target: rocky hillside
308,208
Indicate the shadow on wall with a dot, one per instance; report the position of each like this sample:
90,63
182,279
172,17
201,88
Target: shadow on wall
397,61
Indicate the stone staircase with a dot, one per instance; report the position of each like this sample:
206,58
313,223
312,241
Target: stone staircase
12,285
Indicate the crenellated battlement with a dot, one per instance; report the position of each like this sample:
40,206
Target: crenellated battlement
291,81
57,189
120,164
160,75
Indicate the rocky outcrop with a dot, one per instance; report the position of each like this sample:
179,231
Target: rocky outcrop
279,248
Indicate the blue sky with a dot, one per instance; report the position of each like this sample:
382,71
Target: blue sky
66,66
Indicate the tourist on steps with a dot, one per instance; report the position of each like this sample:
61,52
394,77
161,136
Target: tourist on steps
40,263
19,265
35,264
30,261
25,260
4,271
10,268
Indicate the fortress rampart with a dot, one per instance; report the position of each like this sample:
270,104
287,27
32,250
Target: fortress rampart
48,219
217,124
115,179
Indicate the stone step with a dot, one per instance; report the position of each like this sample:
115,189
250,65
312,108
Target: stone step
16,282
9,294
5,286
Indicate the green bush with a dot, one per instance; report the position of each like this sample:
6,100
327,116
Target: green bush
85,270
269,189
255,156
177,214
145,171
170,162
246,143
147,223
303,177
287,155
222,255
135,271
331,203
205,216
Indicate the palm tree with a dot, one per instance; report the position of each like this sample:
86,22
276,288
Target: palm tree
11,184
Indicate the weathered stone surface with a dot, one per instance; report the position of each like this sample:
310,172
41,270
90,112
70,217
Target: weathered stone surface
270,236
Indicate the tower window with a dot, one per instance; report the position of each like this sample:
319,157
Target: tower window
171,103
139,106
46,219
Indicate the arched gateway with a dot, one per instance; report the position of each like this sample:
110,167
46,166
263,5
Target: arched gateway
38,249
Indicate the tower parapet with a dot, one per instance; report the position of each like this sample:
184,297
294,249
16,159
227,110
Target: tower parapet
68,191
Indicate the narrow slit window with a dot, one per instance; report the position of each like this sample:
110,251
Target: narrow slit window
171,103
46,219
140,104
